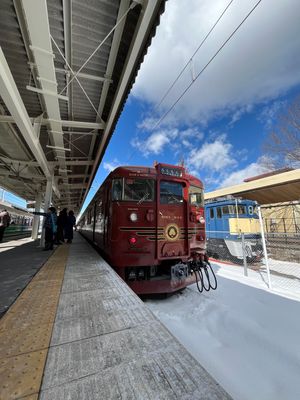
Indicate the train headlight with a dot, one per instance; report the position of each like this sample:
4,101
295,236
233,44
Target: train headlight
133,217
200,219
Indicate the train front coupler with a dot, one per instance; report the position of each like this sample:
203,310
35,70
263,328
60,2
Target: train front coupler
204,274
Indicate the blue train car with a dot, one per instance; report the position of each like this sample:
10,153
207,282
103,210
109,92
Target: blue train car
226,220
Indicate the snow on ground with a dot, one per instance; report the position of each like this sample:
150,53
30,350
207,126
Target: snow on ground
247,337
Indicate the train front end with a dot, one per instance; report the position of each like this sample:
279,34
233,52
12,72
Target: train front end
158,231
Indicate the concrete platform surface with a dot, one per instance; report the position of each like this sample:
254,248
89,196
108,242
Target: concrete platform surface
19,262
106,343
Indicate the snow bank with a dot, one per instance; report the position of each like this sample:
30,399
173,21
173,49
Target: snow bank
246,337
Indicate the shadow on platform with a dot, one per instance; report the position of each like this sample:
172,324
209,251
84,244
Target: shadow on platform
19,262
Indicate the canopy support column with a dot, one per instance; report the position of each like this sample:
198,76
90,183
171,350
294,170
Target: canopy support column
47,202
36,219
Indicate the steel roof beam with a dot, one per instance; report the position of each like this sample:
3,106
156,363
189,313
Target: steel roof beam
14,162
147,15
67,12
124,5
64,123
29,176
83,75
12,99
35,16
74,162
31,163
73,186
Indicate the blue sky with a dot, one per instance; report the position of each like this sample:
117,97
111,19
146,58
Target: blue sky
11,198
219,126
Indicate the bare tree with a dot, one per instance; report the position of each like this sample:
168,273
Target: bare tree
283,143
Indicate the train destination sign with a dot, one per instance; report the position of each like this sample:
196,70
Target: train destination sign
171,171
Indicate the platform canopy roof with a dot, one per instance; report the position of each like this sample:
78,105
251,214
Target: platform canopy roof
278,188
66,69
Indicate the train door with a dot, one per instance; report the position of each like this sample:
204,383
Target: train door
210,222
94,219
172,238
219,228
106,218
107,215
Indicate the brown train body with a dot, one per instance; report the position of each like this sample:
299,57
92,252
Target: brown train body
149,224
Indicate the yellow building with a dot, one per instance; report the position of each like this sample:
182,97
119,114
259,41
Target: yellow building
282,217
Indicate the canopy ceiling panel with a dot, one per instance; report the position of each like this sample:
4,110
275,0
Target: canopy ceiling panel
67,68
277,188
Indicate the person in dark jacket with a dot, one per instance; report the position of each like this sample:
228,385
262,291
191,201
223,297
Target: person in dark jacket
50,226
4,222
62,221
71,221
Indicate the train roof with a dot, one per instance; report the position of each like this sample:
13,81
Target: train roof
152,171
227,202
11,209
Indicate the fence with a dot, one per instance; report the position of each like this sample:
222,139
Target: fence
282,225
271,257
242,248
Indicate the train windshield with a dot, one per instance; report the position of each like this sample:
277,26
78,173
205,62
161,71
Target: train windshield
196,196
228,210
241,209
133,189
171,192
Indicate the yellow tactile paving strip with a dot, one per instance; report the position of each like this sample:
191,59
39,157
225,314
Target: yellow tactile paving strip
25,331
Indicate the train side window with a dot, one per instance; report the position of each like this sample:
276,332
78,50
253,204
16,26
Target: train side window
250,210
89,216
99,211
227,210
211,213
241,209
196,196
219,212
117,188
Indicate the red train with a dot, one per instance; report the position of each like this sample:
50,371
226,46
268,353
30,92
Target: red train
149,224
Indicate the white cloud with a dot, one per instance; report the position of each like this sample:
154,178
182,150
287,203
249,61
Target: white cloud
153,144
237,115
191,133
259,63
269,113
251,170
110,166
157,140
214,156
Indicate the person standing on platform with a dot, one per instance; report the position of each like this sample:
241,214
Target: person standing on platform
4,222
71,222
50,226
62,221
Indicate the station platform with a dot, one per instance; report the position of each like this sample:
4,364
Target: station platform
20,259
77,332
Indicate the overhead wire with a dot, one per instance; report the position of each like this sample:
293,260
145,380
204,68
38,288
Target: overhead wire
193,55
189,61
206,65
203,69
